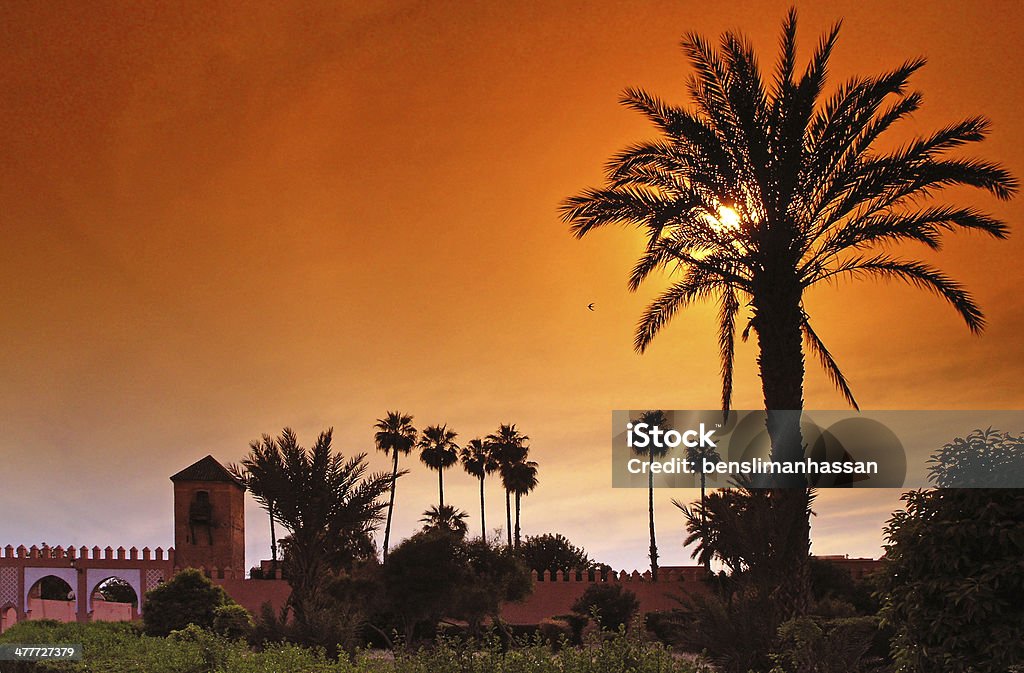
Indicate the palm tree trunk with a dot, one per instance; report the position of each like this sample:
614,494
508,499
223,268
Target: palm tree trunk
273,539
650,509
508,516
483,521
519,497
391,505
703,509
778,319
440,486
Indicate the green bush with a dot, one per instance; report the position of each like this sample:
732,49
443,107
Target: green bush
952,587
187,598
232,621
820,645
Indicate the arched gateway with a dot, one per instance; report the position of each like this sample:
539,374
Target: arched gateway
209,530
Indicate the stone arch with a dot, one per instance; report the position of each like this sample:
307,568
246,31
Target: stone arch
8,616
33,575
94,577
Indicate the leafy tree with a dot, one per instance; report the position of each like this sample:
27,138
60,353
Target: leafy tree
984,458
519,479
116,590
53,588
952,586
395,435
509,447
261,472
330,506
614,605
446,518
232,621
478,460
654,418
187,598
762,190
438,451
435,574
553,552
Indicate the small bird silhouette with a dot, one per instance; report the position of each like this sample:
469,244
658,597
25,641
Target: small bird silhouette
590,306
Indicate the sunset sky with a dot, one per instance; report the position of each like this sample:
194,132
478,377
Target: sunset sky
217,222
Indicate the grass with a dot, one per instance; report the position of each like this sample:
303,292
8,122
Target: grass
120,648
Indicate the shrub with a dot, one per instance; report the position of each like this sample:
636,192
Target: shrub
613,605
952,586
232,621
187,598
818,645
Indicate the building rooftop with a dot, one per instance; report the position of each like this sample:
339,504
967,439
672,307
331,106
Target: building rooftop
206,469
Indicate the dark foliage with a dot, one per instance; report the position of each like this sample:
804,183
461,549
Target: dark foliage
187,598
612,605
953,582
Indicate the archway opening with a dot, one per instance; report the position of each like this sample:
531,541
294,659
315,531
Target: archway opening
8,618
51,598
114,600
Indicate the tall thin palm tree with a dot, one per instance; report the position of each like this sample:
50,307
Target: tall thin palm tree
653,418
761,190
261,471
438,451
478,460
520,479
509,447
395,436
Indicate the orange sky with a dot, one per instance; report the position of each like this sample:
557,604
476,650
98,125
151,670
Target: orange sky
217,222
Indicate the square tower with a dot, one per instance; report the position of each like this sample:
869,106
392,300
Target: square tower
209,518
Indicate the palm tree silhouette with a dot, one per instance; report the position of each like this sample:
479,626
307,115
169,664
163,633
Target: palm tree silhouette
446,518
509,447
659,419
438,451
520,479
395,435
262,474
763,190
478,461
697,455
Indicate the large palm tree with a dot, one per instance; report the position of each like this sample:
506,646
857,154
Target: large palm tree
763,189
478,460
330,507
395,435
438,451
261,471
509,447
519,479
655,417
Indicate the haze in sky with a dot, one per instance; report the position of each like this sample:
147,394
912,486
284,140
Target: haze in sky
217,221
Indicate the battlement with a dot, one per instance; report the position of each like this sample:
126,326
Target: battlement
590,576
72,553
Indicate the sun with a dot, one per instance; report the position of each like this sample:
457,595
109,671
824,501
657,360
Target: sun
728,218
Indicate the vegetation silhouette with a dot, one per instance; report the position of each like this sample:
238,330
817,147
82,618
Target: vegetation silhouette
438,451
654,418
262,473
478,461
330,507
508,446
446,518
520,479
395,435
983,459
762,190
